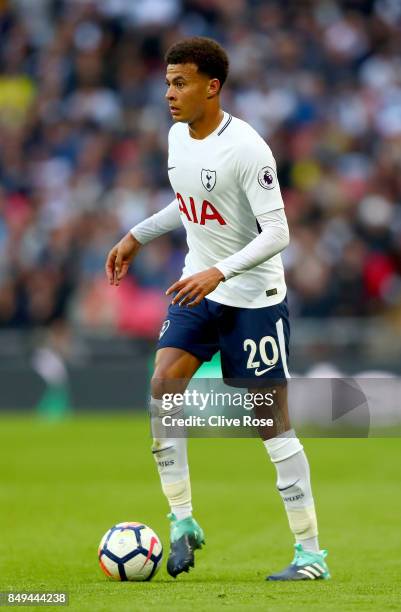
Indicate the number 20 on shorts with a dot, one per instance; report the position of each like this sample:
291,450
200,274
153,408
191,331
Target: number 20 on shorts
268,352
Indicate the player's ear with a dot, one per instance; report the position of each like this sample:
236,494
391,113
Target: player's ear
213,88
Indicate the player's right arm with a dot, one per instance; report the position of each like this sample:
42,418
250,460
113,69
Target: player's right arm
123,253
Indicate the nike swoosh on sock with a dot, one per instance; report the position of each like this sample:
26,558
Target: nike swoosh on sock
159,450
289,486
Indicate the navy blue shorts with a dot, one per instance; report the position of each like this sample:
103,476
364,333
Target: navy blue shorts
253,342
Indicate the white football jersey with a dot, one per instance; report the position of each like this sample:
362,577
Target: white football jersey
221,183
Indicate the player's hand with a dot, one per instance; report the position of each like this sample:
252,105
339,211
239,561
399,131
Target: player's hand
193,289
120,257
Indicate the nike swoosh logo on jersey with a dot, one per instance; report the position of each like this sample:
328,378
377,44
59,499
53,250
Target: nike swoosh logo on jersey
289,486
260,372
170,168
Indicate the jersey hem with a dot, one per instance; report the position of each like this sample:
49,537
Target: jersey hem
273,302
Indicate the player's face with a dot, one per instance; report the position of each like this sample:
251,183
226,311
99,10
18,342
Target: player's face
187,92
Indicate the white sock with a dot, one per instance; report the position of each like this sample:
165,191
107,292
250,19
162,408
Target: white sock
294,486
171,459
182,512
311,544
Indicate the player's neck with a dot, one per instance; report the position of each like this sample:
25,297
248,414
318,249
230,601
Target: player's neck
205,125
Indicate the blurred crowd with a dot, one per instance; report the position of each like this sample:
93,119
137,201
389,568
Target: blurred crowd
83,135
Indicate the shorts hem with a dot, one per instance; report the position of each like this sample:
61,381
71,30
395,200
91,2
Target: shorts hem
177,345
244,382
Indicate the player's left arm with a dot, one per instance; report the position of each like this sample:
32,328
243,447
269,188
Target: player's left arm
257,176
273,239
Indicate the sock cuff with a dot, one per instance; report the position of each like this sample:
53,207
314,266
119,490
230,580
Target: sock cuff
158,409
283,446
155,406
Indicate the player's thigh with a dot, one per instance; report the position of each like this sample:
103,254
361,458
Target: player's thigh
173,370
193,330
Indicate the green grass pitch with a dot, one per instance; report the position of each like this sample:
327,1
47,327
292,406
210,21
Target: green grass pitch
64,484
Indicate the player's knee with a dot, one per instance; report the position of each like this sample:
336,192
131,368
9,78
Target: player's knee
158,387
164,381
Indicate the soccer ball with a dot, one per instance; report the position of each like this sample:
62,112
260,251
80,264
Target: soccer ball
130,551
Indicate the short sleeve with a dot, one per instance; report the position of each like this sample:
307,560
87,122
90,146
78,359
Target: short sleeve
257,174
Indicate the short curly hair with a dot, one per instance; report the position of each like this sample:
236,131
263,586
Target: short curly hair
205,53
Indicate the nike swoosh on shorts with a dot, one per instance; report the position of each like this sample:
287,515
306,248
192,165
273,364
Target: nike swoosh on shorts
259,373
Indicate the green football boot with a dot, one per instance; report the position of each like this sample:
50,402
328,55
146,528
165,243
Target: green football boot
306,565
185,537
